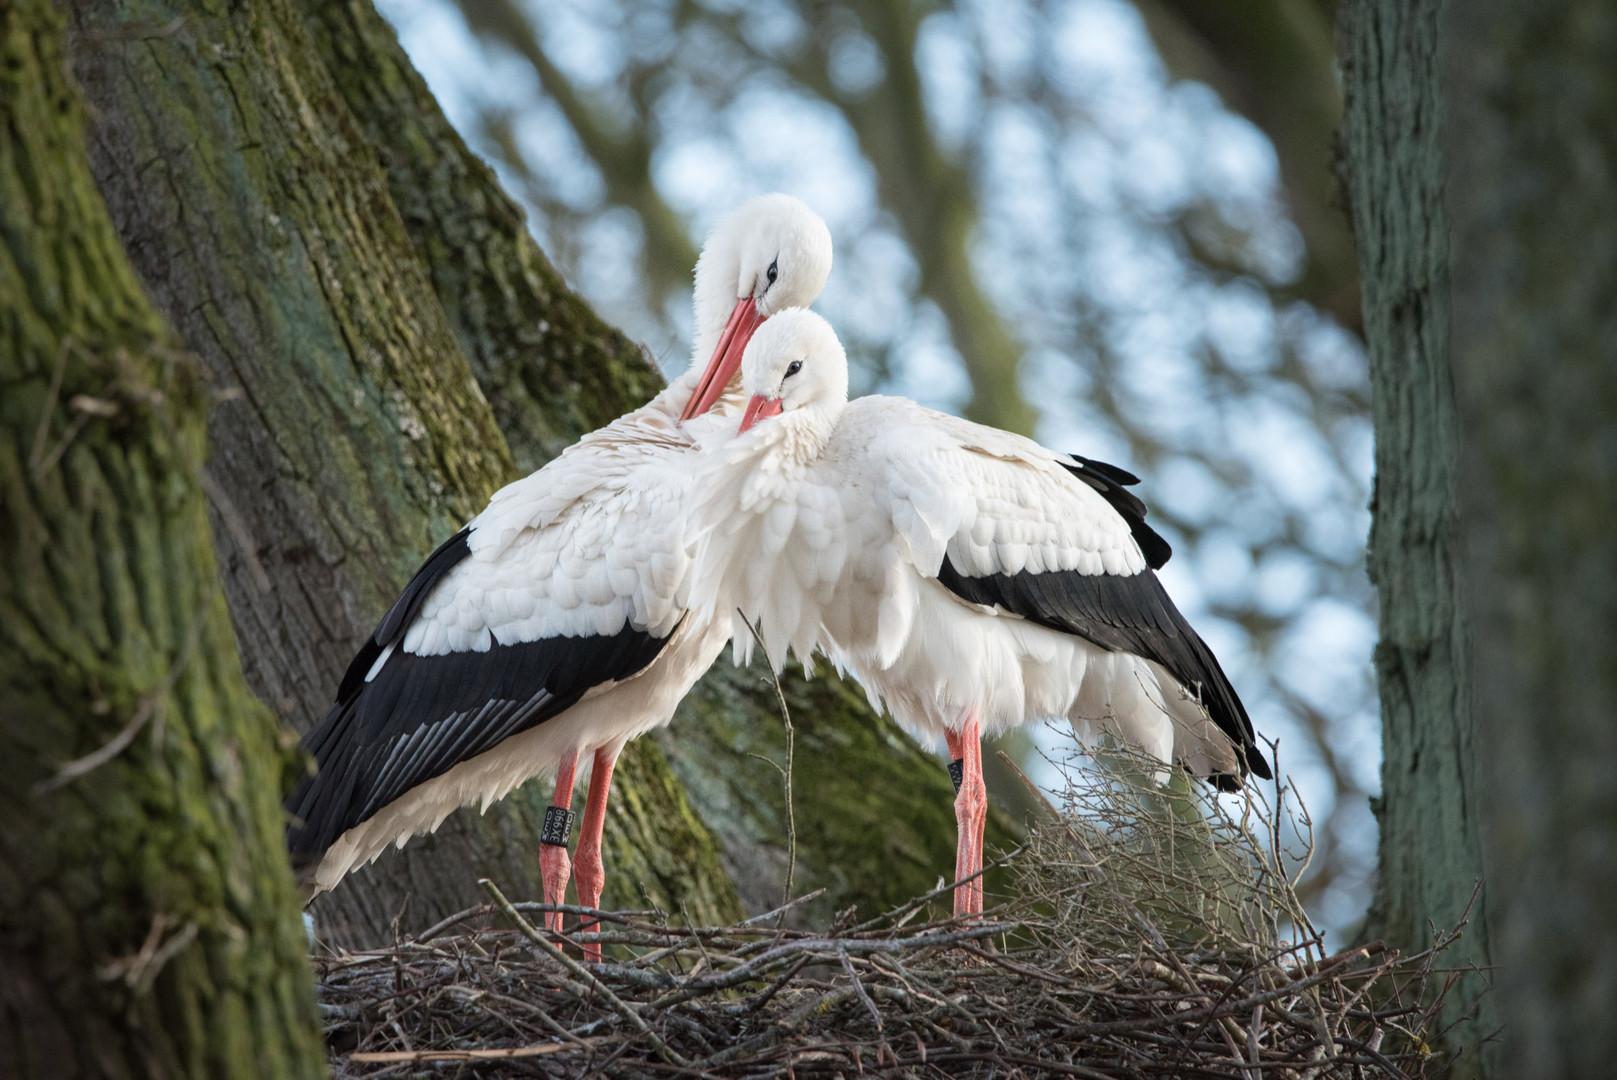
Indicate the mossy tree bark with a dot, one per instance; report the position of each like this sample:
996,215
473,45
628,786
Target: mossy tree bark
355,437
148,923
1431,854
1532,195
874,812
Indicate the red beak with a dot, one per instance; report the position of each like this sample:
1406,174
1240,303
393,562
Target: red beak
726,359
759,408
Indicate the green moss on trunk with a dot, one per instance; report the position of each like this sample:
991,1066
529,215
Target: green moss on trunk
148,922
548,364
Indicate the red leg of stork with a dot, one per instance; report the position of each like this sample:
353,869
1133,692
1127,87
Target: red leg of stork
591,875
971,814
554,865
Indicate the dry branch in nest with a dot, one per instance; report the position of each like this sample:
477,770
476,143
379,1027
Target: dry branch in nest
1153,934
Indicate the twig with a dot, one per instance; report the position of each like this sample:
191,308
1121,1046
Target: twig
414,1057
773,913
859,988
585,977
150,703
791,744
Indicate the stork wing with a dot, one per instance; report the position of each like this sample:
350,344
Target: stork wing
1002,522
991,501
492,637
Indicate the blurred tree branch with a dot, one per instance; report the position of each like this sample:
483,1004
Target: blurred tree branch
929,195
620,150
1274,62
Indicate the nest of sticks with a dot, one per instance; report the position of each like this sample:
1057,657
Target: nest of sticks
1152,932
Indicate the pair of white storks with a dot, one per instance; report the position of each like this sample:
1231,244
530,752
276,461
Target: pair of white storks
969,578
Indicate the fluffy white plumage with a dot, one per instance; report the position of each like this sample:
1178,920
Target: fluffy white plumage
829,527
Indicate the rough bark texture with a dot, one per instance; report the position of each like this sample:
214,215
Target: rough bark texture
1430,848
1532,195
255,208
552,371
148,922
548,364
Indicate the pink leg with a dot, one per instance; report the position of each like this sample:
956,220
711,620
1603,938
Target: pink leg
588,870
554,865
971,814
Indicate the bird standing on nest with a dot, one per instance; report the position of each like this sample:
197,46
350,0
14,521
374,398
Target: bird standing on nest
971,579
553,628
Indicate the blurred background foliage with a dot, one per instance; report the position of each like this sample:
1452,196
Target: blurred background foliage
1110,225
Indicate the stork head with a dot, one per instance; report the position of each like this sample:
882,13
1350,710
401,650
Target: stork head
794,362
768,254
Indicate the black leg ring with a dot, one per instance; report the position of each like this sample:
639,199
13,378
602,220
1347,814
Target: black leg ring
558,828
957,773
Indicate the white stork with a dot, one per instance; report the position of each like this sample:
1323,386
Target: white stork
554,625
971,579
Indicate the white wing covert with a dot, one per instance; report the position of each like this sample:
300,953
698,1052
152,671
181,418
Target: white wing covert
991,501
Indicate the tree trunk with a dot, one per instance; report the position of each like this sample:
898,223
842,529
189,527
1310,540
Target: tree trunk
254,207
1431,861
148,923
552,371
1533,170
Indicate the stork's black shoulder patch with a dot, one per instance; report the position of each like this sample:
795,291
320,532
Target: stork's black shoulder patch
398,618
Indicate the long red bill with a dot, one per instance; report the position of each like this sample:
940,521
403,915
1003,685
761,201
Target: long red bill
759,408
726,359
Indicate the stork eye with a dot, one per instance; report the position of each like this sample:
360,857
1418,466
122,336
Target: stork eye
793,368
774,270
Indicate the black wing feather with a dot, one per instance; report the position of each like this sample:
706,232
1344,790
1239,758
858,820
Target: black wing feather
423,715
1111,482
1131,614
